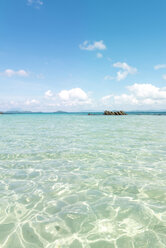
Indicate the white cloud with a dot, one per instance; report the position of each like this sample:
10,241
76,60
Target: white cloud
96,45
125,99
72,97
32,102
140,96
10,73
126,69
99,55
37,3
48,94
108,77
137,97
145,91
160,66
121,75
73,94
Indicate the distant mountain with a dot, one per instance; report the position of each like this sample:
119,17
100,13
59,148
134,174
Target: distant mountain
60,112
17,112
30,112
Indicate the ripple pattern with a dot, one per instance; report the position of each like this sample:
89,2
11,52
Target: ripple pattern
69,181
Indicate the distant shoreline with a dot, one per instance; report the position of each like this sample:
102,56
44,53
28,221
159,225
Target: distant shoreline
84,113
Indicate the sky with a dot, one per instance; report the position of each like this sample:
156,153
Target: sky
82,55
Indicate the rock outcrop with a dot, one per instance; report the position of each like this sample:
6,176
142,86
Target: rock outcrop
106,112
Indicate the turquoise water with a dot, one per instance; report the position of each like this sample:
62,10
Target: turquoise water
82,181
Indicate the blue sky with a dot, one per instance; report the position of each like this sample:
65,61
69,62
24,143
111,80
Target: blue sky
82,55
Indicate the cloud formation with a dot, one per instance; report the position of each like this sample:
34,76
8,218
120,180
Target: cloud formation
96,45
32,102
48,94
160,66
126,69
140,96
144,91
36,3
75,96
123,73
75,99
65,99
11,73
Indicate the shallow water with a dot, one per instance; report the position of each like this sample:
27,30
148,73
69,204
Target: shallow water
82,181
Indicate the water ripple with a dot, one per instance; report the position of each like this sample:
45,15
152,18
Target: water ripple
82,181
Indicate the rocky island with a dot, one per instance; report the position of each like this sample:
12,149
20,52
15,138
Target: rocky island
106,112
114,112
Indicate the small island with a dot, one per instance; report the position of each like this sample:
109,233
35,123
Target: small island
106,112
114,112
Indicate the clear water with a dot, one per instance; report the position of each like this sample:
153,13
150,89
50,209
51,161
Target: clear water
82,181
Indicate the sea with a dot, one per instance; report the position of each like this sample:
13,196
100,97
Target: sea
83,181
